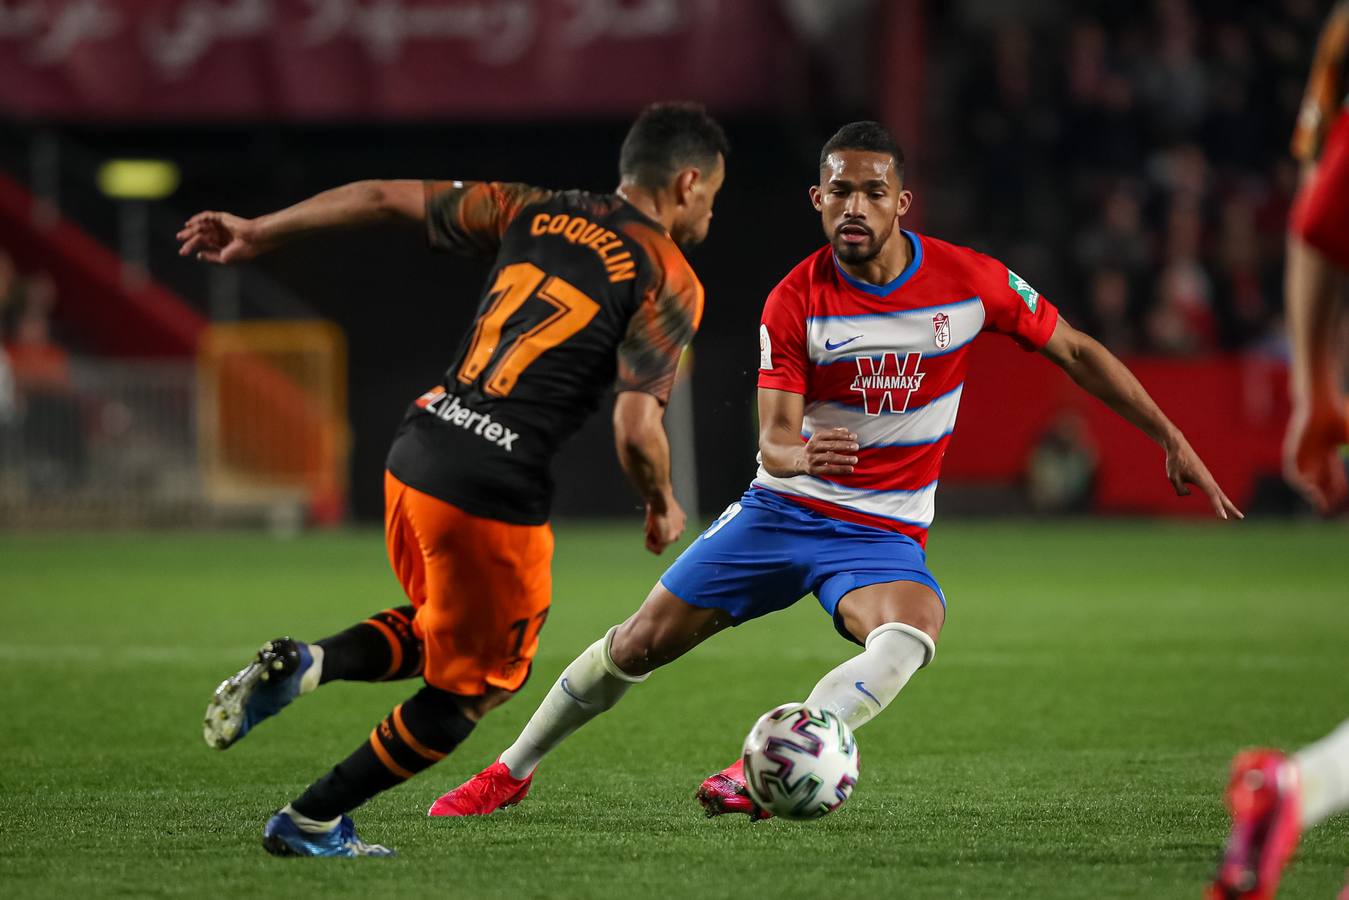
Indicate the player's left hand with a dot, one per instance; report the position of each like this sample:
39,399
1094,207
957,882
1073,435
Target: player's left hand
1184,468
1311,456
664,524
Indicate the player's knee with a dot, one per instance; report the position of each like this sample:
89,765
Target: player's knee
897,639
474,708
861,614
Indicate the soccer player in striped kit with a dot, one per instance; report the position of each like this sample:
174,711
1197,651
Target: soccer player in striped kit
862,357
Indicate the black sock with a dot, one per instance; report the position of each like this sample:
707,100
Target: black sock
382,648
419,732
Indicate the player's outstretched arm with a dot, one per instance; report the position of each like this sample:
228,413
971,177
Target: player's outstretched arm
785,455
220,237
644,453
1099,372
1318,425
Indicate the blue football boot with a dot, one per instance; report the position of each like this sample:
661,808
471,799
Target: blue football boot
282,670
282,837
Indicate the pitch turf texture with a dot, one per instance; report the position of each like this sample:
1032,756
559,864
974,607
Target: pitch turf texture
1070,741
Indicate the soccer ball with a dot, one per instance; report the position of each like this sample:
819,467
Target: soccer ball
800,763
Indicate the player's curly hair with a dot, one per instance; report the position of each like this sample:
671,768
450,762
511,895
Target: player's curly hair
668,137
871,136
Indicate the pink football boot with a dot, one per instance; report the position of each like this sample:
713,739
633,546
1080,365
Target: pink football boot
1265,801
725,792
491,789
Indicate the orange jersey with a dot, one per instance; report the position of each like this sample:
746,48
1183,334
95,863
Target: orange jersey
586,293
1326,87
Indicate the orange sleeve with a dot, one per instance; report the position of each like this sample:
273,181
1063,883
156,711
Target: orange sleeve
1326,86
661,328
470,217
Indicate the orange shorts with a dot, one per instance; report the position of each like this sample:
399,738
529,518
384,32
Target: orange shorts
481,588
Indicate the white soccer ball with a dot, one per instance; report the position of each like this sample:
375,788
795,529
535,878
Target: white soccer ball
800,763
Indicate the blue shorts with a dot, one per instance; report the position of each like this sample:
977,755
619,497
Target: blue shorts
766,552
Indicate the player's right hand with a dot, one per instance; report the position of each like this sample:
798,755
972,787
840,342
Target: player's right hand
832,451
664,524
219,237
1312,463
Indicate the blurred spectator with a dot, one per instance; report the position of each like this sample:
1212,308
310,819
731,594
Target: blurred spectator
1175,82
1242,276
1101,125
9,293
1061,470
1112,313
53,438
1182,320
9,398
1117,240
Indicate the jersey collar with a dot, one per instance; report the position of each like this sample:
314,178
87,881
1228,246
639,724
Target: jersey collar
885,290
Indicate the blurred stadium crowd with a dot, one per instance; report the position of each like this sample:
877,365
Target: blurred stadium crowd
1134,157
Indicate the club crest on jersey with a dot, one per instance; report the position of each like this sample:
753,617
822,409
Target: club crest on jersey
886,383
941,326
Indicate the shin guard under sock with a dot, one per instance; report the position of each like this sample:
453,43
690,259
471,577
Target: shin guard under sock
382,648
419,732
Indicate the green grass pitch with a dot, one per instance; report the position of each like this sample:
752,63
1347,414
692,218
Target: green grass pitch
1069,742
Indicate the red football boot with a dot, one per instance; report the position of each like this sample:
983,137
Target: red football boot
1264,798
491,789
725,792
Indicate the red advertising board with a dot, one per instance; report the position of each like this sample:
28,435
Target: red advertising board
422,59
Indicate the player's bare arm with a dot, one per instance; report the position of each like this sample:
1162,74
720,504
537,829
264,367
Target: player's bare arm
644,453
221,237
829,452
1317,425
1100,373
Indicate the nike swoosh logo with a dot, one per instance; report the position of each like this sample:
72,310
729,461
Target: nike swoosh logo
830,345
863,689
566,689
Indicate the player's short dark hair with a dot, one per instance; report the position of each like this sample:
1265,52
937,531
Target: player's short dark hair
870,136
668,137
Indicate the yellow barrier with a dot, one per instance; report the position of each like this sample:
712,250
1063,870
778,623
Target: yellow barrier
272,415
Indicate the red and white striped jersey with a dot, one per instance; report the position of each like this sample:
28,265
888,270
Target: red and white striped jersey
888,363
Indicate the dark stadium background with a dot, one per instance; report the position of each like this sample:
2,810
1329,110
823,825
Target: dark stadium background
1030,125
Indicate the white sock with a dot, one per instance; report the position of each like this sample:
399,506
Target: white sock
588,687
864,685
304,823
1324,771
310,679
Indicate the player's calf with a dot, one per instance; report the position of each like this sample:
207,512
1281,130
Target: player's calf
418,733
859,688
383,647
663,629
